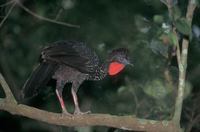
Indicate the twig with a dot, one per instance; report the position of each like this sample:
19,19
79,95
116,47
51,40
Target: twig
178,52
7,3
169,6
58,14
46,19
193,123
9,11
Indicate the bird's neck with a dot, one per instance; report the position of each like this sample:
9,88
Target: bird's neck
100,72
107,68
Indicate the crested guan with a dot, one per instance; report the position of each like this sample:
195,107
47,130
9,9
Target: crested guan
72,62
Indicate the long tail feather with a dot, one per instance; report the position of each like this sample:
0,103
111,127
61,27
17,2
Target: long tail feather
39,78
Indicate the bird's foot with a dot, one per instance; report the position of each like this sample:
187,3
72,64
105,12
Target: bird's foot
65,112
78,112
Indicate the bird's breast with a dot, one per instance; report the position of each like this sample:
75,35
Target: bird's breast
69,74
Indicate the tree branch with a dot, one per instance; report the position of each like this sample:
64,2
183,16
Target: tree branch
9,11
183,66
8,93
122,122
44,18
14,2
7,3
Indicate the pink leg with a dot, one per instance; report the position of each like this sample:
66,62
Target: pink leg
77,109
62,104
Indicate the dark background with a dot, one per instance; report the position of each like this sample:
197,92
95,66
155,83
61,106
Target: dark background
142,91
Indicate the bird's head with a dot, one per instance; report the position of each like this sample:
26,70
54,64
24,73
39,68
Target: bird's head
118,59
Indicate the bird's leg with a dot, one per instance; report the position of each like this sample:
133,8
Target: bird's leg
75,98
59,89
77,109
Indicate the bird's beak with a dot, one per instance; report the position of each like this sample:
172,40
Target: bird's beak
131,64
127,62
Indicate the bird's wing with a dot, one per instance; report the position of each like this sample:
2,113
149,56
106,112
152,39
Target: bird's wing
72,53
39,78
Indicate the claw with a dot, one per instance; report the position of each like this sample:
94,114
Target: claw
64,112
78,112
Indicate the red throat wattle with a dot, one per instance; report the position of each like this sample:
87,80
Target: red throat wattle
114,68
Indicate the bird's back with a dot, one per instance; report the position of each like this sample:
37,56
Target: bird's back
72,53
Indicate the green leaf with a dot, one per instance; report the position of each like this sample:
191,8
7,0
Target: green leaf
173,38
142,24
183,26
188,89
158,19
176,13
158,47
156,89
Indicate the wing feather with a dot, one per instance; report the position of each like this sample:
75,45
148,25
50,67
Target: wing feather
72,53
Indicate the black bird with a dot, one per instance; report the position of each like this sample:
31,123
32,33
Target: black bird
72,62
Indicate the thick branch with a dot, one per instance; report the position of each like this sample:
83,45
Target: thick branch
121,122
